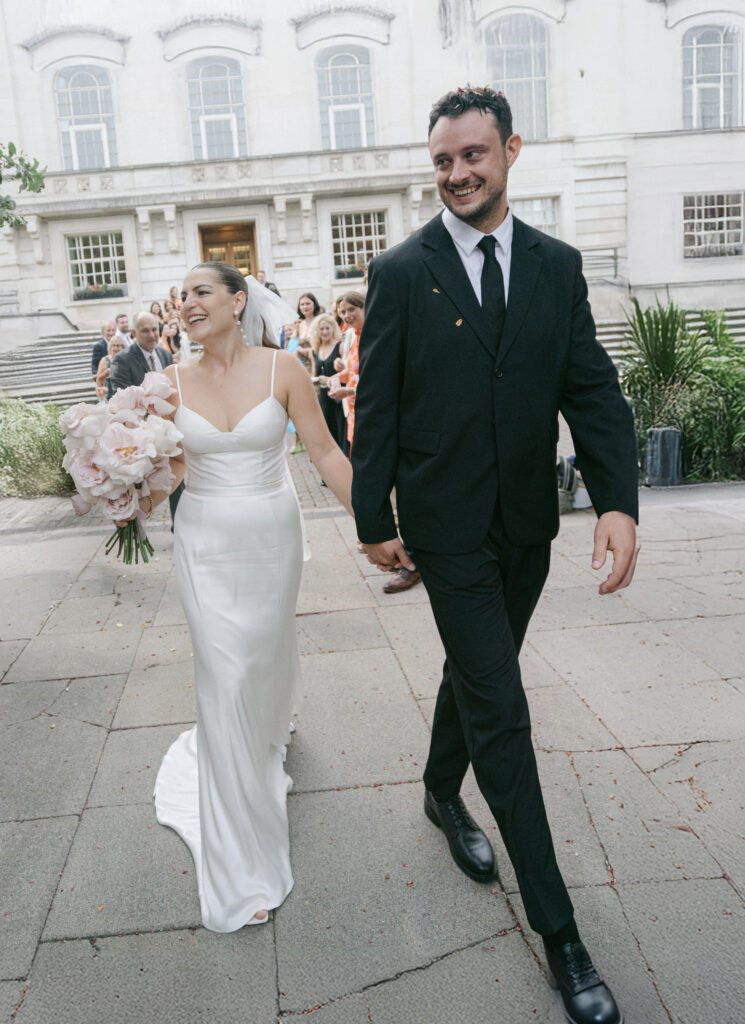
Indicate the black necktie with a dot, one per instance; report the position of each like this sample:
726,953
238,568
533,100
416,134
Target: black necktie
492,287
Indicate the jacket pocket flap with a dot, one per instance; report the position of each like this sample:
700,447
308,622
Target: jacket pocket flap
427,441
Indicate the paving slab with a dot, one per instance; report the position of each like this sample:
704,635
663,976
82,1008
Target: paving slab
613,946
692,934
170,611
129,765
535,670
80,614
497,980
355,629
568,607
334,583
684,598
32,856
11,994
412,633
162,646
718,641
561,721
27,601
9,651
93,699
48,765
174,977
125,873
68,656
356,723
643,834
349,1010
161,694
705,782
346,925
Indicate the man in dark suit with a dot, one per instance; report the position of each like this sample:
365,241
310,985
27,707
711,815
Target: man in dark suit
477,334
101,348
143,356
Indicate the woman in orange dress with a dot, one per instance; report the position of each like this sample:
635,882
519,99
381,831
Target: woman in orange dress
351,308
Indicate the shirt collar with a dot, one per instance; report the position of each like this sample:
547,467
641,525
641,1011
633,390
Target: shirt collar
467,237
147,354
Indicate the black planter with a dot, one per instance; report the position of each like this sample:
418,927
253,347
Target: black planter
662,461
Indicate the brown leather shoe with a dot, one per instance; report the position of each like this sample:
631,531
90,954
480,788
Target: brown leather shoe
403,580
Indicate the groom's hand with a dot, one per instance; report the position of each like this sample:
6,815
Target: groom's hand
616,532
390,554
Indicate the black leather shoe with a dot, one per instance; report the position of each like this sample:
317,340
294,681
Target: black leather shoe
471,850
586,999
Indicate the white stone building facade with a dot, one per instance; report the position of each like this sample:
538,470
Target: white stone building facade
292,137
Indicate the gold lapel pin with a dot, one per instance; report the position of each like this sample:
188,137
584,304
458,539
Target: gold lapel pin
458,323
436,291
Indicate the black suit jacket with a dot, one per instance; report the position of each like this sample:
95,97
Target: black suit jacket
130,366
100,349
458,424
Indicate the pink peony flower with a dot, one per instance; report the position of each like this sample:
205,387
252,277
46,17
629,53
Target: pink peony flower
80,505
161,479
164,434
126,453
124,506
91,480
128,405
83,424
157,388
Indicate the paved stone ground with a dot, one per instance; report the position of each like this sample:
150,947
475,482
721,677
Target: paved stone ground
638,704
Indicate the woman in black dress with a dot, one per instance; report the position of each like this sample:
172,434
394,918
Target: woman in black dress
324,341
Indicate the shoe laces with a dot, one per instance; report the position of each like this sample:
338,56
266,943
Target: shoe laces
580,967
459,815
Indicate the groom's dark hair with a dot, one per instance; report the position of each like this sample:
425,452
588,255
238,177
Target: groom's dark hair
457,102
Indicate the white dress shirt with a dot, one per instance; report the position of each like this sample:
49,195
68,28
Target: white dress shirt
158,361
467,239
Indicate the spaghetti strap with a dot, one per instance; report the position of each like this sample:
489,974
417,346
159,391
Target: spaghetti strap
178,384
274,363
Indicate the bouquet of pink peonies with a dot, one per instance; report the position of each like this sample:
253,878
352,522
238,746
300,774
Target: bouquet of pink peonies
118,452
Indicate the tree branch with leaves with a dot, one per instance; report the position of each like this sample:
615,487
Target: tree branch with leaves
14,166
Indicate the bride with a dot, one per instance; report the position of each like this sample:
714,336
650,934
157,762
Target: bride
238,552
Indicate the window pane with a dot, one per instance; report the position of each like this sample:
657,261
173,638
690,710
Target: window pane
713,225
357,238
517,56
95,272
83,98
345,81
216,87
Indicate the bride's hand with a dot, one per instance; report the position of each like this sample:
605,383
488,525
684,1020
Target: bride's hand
146,507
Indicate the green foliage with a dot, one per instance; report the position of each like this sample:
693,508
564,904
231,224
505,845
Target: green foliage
31,450
14,166
693,381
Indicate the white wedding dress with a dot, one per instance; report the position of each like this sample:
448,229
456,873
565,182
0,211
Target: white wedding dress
238,551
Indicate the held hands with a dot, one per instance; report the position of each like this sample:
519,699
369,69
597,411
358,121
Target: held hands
616,532
146,507
390,554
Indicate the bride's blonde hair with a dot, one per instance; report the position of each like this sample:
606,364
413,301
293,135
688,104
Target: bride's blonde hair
250,319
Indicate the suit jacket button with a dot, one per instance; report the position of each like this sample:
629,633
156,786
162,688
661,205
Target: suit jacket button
497,373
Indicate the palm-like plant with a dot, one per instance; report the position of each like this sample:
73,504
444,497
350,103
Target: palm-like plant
663,352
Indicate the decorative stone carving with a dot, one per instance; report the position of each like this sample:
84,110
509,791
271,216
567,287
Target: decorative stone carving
198,174
414,196
331,19
169,213
358,162
306,208
222,172
381,159
208,33
84,183
69,42
60,185
280,209
107,182
143,217
554,9
244,169
33,229
9,234
336,163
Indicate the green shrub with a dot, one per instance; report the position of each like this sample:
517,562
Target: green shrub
31,450
693,381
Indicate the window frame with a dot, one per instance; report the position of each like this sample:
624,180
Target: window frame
116,282
690,228
503,85
693,88
361,99
202,112
68,127
73,130
332,108
346,241
203,118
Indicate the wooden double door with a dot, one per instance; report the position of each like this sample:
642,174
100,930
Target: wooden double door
231,243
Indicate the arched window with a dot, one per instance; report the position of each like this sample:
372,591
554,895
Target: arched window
85,115
517,59
218,122
712,77
346,97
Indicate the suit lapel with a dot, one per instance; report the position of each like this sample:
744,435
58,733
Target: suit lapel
447,269
525,265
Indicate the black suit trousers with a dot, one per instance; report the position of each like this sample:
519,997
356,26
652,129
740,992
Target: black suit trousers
482,602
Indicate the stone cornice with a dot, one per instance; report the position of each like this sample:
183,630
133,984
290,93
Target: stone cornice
79,42
210,32
329,20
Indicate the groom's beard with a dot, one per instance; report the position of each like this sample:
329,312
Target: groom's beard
484,212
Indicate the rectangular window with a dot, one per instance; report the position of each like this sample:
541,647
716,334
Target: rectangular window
96,265
347,126
219,136
89,146
713,224
539,213
356,238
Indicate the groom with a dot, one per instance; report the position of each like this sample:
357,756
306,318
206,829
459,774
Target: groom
477,333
